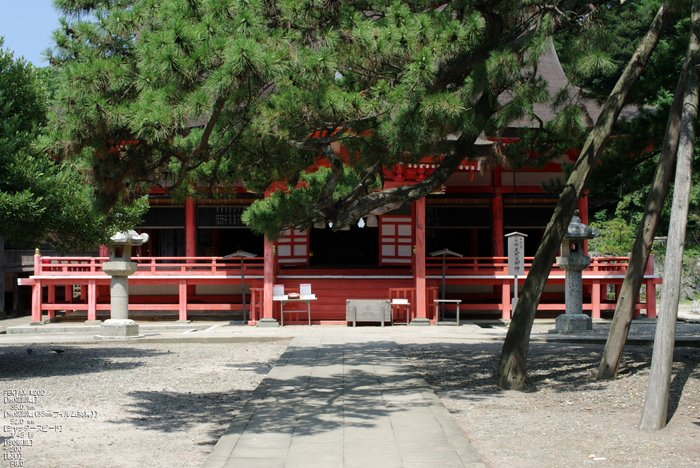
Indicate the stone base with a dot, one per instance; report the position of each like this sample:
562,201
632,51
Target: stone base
573,323
421,322
118,329
268,322
40,322
93,322
183,321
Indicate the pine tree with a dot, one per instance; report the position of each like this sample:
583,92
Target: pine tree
199,94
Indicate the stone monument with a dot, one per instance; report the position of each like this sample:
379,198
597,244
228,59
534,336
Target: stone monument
120,267
574,261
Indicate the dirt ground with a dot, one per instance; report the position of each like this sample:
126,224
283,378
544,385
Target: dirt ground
567,419
166,405
125,405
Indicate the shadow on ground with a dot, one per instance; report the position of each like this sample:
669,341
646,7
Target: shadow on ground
28,361
472,367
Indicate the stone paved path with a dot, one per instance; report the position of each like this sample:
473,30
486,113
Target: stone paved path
339,400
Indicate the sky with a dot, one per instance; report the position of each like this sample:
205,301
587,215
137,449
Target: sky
27,26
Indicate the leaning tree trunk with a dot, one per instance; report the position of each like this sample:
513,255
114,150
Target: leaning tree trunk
658,388
629,292
512,370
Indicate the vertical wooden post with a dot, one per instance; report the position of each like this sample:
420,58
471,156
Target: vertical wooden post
92,302
36,303
497,224
36,291
52,300
583,214
190,227
651,289
268,319
651,299
505,301
421,307
182,303
595,299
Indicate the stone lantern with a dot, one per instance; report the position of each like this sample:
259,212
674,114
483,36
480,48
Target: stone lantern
120,267
574,261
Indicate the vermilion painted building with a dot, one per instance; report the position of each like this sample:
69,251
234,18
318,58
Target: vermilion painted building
182,273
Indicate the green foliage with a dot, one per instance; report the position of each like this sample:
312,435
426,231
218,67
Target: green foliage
42,200
625,171
200,94
616,236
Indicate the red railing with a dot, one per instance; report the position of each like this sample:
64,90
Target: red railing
499,265
79,266
492,272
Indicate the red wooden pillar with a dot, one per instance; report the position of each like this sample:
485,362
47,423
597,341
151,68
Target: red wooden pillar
497,224
104,251
268,320
182,303
52,300
190,227
36,291
595,299
190,243
421,307
651,289
505,301
92,302
583,214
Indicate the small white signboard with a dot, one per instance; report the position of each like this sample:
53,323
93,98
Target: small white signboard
516,253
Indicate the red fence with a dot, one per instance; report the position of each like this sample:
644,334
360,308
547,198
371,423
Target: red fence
188,272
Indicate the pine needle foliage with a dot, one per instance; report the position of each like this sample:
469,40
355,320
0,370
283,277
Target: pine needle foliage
198,94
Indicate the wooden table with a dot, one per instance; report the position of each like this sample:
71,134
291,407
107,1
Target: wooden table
446,301
286,299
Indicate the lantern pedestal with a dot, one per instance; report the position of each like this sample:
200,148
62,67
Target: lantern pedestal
573,261
120,267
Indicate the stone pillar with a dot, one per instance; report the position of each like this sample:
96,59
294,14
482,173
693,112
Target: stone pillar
120,267
574,261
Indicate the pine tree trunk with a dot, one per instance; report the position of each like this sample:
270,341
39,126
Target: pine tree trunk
512,370
656,402
629,292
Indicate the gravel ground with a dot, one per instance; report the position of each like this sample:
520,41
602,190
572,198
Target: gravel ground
166,405
566,419
130,405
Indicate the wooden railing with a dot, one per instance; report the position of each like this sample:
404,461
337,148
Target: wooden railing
499,265
80,266
431,293
189,272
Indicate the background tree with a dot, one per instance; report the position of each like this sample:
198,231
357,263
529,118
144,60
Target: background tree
512,370
41,200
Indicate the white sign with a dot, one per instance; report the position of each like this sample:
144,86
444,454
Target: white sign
516,254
